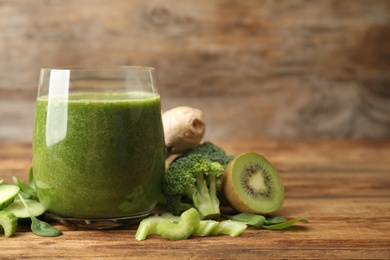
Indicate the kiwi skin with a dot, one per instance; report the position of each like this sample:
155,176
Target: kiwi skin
237,201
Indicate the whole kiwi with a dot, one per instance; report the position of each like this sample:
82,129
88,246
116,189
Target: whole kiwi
251,184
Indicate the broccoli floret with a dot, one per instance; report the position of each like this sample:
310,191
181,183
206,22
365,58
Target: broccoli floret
212,152
192,180
215,154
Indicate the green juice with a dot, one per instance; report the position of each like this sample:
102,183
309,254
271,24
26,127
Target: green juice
99,155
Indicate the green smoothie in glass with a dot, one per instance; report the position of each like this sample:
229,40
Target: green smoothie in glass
99,155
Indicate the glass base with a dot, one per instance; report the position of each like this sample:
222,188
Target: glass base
103,223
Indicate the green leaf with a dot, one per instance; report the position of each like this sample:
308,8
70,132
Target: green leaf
249,218
31,178
39,227
259,221
286,224
275,220
42,228
25,188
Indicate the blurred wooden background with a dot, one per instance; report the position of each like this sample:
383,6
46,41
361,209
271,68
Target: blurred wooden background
257,68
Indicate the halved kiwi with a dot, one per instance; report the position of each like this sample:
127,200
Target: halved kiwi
251,184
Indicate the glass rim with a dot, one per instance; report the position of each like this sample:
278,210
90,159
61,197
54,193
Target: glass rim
96,68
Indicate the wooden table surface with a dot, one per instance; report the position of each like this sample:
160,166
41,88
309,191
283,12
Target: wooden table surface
341,187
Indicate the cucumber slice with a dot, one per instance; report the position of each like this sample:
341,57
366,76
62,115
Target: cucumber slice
8,223
35,207
8,193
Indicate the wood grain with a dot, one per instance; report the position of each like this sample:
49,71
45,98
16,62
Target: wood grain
342,187
286,69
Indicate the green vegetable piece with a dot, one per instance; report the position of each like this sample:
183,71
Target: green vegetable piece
1,181
31,178
25,188
167,228
189,222
275,220
39,227
8,193
259,221
212,152
286,224
148,226
206,227
229,227
171,217
35,208
193,179
8,223
42,228
249,218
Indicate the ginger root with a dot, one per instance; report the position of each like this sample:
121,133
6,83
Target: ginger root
184,128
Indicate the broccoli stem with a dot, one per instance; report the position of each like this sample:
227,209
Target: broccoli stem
204,198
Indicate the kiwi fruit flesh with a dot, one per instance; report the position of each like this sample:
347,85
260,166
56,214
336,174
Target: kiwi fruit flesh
251,184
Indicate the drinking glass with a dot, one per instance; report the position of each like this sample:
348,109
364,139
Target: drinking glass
98,145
